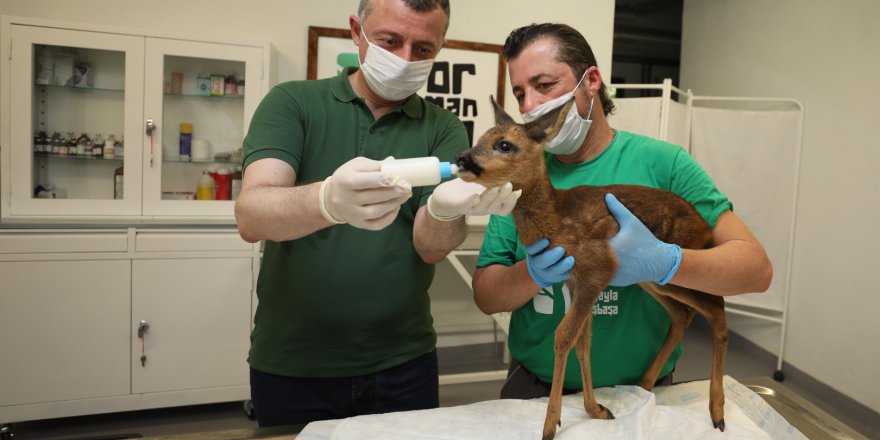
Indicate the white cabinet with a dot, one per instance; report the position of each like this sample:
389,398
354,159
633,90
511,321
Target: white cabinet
207,299
73,300
64,330
69,91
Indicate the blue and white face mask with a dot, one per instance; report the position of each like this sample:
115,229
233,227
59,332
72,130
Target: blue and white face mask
574,130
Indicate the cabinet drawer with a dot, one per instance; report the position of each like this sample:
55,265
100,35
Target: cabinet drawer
149,241
28,242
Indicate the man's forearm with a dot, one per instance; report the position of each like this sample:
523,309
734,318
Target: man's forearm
732,268
278,213
499,288
434,239
736,263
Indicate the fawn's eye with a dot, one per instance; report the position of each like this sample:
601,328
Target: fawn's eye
503,146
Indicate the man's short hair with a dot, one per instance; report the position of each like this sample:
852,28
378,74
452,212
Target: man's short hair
571,48
416,5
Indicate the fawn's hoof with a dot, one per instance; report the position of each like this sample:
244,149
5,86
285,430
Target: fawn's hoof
719,424
607,411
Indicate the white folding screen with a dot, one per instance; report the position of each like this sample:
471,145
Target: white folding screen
753,155
659,117
751,149
637,115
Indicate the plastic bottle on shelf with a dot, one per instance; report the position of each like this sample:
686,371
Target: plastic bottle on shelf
118,179
230,85
110,147
98,146
83,146
71,145
205,187
56,143
223,185
120,147
236,183
186,130
420,171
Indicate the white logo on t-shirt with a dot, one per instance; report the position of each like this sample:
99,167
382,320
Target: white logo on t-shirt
606,303
543,301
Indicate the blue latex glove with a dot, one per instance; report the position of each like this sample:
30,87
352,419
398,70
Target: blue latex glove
642,256
550,266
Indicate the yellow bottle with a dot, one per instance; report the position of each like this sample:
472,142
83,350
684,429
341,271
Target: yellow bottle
205,187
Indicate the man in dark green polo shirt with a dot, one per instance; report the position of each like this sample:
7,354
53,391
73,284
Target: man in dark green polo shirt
343,325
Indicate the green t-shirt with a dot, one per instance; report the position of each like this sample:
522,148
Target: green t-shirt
628,325
344,301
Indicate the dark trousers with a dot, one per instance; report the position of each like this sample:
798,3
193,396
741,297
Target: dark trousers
281,400
523,384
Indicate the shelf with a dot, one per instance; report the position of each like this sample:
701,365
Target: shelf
220,97
80,89
200,161
57,156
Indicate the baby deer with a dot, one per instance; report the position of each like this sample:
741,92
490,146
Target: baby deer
578,220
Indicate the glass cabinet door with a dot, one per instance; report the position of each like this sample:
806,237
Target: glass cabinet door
198,108
78,97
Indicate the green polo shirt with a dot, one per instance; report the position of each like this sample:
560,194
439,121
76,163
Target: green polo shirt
344,301
628,325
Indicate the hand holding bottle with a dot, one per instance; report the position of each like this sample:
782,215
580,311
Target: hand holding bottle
358,193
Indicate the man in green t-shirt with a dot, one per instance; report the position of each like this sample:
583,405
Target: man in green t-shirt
343,324
549,65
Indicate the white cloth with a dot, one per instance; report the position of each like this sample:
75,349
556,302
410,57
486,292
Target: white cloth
675,412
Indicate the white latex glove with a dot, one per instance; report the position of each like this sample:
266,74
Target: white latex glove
359,194
452,199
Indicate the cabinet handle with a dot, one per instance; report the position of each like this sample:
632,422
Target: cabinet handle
150,128
142,334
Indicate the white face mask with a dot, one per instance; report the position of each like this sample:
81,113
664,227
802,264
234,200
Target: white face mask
390,76
574,130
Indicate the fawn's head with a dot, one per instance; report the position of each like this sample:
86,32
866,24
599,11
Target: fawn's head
511,152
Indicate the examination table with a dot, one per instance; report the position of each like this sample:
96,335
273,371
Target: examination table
780,413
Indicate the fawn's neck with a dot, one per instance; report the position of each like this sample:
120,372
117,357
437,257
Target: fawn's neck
535,212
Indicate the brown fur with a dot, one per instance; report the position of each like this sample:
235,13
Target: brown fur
578,220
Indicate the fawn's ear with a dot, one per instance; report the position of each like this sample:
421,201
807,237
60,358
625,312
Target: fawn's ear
545,127
501,117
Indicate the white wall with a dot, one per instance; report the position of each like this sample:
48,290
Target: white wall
824,54
285,23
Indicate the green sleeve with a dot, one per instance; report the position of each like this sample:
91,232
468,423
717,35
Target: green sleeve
500,243
690,181
276,130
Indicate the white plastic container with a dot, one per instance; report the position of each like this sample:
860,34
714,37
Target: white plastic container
420,171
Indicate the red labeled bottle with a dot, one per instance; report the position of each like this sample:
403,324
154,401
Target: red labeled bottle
223,185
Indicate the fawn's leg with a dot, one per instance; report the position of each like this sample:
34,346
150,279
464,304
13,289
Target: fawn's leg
582,348
681,317
718,321
563,340
712,307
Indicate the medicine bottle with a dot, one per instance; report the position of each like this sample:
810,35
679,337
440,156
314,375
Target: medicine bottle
186,136
118,181
205,187
420,171
223,185
236,183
